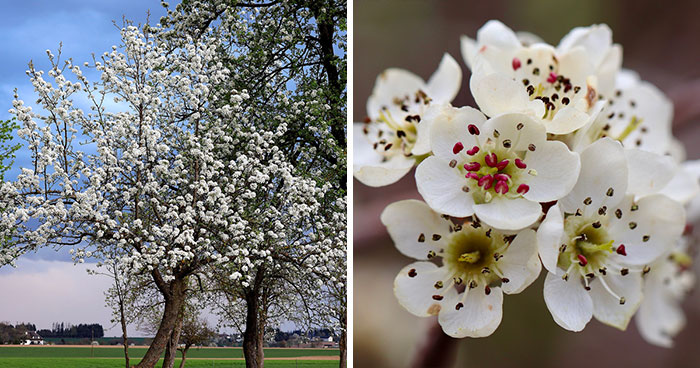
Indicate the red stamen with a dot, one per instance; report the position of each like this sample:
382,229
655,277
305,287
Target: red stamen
457,148
473,129
491,159
582,260
473,151
523,188
621,250
486,181
501,187
520,164
472,166
503,177
516,64
502,165
552,77
471,175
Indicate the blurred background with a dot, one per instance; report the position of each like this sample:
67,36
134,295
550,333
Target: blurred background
661,41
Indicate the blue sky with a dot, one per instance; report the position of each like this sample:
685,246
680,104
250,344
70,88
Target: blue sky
46,285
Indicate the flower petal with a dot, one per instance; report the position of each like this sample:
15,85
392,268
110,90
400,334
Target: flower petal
479,317
549,236
603,167
649,231
596,40
407,220
567,301
390,84
607,308
520,264
414,288
508,214
557,171
468,49
531,132
441,188
648,172
369,166
498,94
449,126
660,316
684,185
497,34
445,83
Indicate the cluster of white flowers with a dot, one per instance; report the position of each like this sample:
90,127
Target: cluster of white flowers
568,163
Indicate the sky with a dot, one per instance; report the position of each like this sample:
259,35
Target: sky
47,287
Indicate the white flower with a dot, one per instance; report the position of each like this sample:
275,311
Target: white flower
693,168
478,264
669,279
596,241
498,169
637,114
557,87
395,134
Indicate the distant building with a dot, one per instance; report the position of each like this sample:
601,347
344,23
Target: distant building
32,338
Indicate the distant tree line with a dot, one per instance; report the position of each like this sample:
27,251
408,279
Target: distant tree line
10,334
62,329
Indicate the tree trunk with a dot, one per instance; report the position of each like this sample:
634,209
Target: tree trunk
126,339
184,355
342,345
171,348
251,337
174,294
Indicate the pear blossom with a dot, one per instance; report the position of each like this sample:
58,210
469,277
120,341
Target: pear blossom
669,279
395,136
596,241
637,114
478,264
499,169
557,87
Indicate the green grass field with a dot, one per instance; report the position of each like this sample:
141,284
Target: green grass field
108,357
119,363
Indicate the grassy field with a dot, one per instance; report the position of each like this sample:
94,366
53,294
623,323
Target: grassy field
108,357
138,352
119,363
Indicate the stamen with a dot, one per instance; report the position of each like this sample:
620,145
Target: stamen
421,238
457,148
516,64
487,290
582,260
552,77
486,181
491,159
502,165
412,272
502,176
501,187
472,166
605,285
523,188
473,151
621,250
473,129
520,164
471,175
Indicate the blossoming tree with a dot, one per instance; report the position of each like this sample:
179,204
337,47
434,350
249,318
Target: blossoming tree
289,57
178,182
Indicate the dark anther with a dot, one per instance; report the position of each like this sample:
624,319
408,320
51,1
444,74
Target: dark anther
412,272
436,237
421,238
